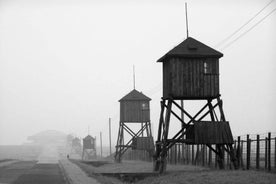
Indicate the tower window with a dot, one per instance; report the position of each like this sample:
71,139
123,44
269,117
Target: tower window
145,106
207,68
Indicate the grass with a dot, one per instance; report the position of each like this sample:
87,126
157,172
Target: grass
177,174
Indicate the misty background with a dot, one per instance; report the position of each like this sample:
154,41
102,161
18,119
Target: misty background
65,64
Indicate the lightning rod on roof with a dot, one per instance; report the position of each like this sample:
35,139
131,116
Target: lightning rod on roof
134,76
186,12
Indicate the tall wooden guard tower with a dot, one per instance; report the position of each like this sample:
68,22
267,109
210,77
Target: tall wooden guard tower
134,110
191,72
89,148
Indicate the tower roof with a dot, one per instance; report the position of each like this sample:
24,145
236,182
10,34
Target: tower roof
134,95
88,137
191,48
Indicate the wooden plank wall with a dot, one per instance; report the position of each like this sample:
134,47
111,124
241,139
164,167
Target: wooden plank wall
131,111
186,78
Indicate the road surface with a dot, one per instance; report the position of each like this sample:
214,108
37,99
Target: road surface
45,171
48,169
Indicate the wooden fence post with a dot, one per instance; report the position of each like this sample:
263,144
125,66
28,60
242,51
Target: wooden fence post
239,151
203,155
258,153
193,155
265,153
175,154
269,151
188,155
210,157
228,165
241,154
275,153
248,152
179,154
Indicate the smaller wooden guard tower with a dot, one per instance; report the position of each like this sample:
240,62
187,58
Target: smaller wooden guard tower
89,148
191,73
76,146
134,109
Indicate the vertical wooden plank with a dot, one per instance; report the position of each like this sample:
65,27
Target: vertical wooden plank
258,152
269,151
248,151
178,78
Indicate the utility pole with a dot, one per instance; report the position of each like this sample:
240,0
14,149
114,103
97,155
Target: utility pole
110,137
101,144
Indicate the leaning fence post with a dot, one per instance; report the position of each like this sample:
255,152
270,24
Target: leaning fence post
248,152
258,153
269,151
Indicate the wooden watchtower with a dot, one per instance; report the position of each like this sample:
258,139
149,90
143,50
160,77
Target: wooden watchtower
191,73
134,110
76,146
89,148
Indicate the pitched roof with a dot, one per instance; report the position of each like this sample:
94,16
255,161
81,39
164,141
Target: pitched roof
191,48
134,95
88,137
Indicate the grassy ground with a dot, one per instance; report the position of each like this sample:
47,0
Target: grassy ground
213,177
177,174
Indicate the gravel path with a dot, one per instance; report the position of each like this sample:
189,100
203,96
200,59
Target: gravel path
74,174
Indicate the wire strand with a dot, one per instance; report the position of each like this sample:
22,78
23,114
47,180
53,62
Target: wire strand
229,44
235,32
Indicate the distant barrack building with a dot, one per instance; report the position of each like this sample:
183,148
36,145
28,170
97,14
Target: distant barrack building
48,136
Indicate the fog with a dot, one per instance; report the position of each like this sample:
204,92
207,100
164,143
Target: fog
65,64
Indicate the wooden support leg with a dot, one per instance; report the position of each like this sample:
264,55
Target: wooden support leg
233,157
163,159
156,156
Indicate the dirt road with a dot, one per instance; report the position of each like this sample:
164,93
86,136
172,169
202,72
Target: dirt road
45,170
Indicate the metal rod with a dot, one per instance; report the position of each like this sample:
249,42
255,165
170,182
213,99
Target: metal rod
101,144
109,136
133,77
186,12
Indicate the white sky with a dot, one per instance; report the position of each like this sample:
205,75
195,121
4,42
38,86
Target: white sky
65,64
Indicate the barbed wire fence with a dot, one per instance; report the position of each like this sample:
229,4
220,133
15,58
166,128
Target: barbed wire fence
253,151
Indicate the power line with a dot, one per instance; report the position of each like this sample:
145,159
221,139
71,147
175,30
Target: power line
230,36
249,29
